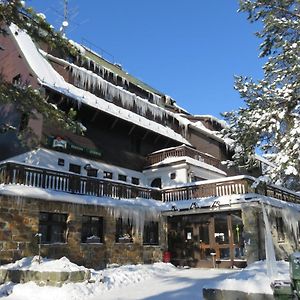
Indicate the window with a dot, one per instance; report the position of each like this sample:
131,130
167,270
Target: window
17,80
221,229
75,168
92,172
52,226
92,229
108,175
61,162
196,178
150,236
173,175
156,183
122,177
123,231
135,180
280,229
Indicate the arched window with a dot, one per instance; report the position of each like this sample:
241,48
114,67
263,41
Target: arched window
156,183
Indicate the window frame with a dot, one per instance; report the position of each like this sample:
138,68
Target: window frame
49,223
122,177
151,227
135,180
107,175
75,166
91,225
124,231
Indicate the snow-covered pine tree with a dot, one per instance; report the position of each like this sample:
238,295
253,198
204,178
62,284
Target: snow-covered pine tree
270,121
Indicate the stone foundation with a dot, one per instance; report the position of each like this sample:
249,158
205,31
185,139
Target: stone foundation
43,278
19,223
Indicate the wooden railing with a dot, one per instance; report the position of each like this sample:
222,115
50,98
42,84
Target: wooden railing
227,186
13,173
182,151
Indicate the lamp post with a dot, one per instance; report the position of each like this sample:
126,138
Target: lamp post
39,236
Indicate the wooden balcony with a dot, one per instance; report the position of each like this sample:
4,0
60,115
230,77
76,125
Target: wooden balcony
183,150
227,186
13,173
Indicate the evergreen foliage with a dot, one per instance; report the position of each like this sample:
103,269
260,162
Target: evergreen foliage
22,96
270,121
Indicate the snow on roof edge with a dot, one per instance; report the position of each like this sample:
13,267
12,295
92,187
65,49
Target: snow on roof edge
47,76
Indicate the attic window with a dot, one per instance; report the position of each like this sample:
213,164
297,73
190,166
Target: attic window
122,177
61,162
92,172
75,168
173,175
135,180
17,79
108,175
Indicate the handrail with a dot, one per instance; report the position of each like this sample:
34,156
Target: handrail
15,173
182,151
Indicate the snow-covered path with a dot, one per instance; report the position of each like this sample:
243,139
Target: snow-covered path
179,284
158,281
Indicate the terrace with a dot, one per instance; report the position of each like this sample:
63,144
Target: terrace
183,150
15,173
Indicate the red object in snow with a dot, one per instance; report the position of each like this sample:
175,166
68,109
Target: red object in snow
166,256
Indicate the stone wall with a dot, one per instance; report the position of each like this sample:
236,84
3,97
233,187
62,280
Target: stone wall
254,234
19,223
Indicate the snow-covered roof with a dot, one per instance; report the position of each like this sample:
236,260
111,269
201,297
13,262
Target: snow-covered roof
188,160
199,126
50,78
213,118
216,202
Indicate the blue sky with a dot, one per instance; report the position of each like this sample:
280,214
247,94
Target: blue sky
189,50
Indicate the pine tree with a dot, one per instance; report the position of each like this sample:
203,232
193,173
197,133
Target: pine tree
25,99
270,121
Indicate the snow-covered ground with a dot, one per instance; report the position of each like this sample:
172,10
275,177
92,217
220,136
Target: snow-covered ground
159,281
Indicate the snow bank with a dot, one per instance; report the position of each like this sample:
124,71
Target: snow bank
47,265
101,283
157,281
252,279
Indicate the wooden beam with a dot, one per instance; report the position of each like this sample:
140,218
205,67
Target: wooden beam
114,123
131,129
156,139
145,135
95,116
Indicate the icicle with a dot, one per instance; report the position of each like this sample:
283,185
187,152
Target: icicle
137,216
272,271
91,81
290,217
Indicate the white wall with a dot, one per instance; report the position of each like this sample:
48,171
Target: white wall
45,158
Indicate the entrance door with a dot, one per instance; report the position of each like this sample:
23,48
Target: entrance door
207,240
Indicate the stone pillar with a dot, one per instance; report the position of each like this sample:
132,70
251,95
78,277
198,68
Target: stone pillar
252,228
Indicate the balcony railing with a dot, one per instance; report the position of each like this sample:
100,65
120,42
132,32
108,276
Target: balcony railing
182,151
13,173
227,186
